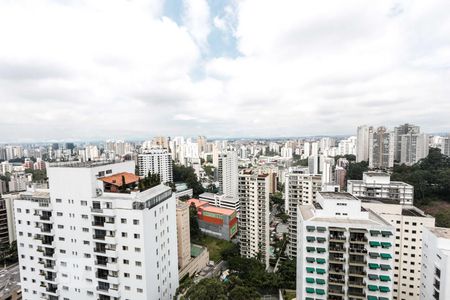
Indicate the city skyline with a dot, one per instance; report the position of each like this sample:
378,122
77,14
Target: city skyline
217,68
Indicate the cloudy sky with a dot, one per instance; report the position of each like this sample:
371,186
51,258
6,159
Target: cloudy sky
96,69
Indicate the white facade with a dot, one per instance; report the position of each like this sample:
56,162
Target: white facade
83,243
381,148
220,200
435,277
254,215
344,252
156,161
228,174
362,143
378,185
409,223
300,189
413,147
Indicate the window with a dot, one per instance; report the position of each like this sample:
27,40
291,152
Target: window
137,249
59,214
85,229
124,234
135,222
126,275
83,203
124,248
123,221
139,277
138,263
140,290
137,236
126,261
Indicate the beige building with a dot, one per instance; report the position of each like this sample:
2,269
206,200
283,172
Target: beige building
300,189
183,234
409,223
254,215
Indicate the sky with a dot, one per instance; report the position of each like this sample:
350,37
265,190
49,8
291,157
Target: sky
100,69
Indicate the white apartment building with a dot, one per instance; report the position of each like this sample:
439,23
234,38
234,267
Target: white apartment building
254,215
344,250
378,185
381,149
228,174
435,276
93,238
362,143
220,200
300,189
414,147
446,146
409,223
156,161
404,129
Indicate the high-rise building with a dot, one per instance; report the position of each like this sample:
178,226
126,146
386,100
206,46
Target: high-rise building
183,234
327,170
446,146
156,161
381,149
201,141
362,143
254,215
344,251
340,174
409,223
378,185
413,147
398,132
228,174
4,228
313,164
435,272
300,189
87,242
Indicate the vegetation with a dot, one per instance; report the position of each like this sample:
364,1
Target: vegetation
8,254
193,222
218,249
355,170
212,188
187,175
208,289
209,170
430,177
148,182
277,198
38,175
288,272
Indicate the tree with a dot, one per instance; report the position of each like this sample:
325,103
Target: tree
193,222
244,293
288,272
355,170
187,175
207,289
37,175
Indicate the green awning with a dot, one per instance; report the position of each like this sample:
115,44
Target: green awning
310,238
309,280
386,233
374,254
320,271
374,244
310,228
310,259
309,270
321,240
385,278
385,256
310,249
320,292
372,288
384,289
373,266
309,290
374,232
320,260
321,250
372,298
383,298
320,281
373,277
309,298
321,229
386,244
385,267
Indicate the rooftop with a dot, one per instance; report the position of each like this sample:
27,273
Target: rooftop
196,202
82,164
117,179
337,196
441,232
373,174
218,210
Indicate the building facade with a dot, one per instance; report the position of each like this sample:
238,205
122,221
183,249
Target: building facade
183,234
362,143
399,131
381,149
300,189
254,215
156,161
413,147
344,251
435,275
378,185
84,243
228,174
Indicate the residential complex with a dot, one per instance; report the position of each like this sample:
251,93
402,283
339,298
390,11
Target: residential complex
409,223
414,147
156,161
228,174
300,189
215,221
403,130
362,143
344,250
80,241
381,148
254,215
221,200
435,272
378,185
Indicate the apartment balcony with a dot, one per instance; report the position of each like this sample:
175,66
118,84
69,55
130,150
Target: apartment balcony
337,238
332,270
357,250
341,249
336,260
336,290
49,252
362,240
357,283
111,291
358,293
336,279
356,272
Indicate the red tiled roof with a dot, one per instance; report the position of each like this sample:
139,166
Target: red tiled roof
197,203
116,179
219,210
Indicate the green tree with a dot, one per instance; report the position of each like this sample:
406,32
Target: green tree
193,222
207,289
187,175
355,170
288,272
244,293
